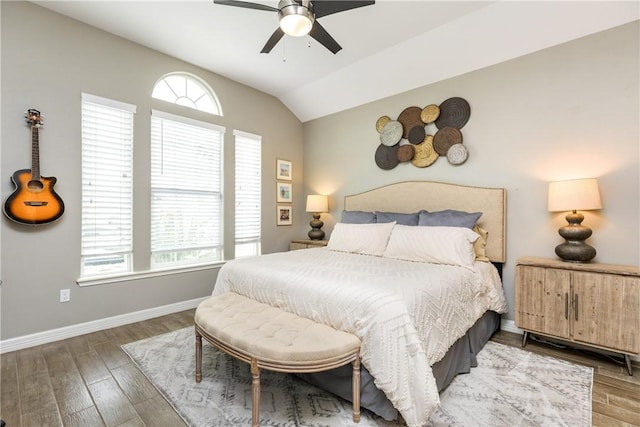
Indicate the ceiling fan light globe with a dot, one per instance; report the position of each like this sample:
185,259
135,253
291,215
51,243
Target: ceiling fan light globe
295,19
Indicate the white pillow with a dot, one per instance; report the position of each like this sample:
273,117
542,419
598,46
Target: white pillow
365,239
438,245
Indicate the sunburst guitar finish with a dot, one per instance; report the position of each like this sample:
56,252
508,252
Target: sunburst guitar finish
34,200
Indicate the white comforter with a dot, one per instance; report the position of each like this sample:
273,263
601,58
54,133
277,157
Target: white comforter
407,314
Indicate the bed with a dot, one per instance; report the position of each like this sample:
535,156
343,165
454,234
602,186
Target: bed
421,323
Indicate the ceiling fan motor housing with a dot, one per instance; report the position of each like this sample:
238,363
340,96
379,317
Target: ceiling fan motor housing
296,17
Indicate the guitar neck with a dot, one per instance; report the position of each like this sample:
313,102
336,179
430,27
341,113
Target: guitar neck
35,154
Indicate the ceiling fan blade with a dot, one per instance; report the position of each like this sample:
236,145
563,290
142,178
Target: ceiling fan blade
324,38
327,7
273,40
245,4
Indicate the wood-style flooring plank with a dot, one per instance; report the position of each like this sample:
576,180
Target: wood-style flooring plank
627,403
112,403
95,338
176,321
120,335
92,367
77,345
156,412
31,361
157,325
620,414
599,420
89,417
624,386
59,359
134,422
71,393
42,418
111,354
10,404
9,391
140,331
134,383
36,393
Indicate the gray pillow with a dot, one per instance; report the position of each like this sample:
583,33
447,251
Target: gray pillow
449,218
399,218
358,217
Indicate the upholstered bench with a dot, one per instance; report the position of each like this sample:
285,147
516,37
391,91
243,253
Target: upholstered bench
269,338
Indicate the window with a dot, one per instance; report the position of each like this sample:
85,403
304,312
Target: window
187,90
186,191
248,194
107,186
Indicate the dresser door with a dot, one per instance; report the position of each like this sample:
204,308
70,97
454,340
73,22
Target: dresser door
605,310
542,300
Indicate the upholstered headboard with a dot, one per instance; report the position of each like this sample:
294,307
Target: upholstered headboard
412,196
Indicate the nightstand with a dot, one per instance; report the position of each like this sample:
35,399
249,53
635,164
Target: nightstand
306,244
591,304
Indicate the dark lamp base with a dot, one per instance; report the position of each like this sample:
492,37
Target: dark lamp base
316,225
575,249
575,252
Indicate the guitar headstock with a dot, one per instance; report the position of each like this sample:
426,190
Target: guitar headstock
33,118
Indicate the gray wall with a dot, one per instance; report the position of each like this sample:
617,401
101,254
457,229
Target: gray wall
47,61
570,111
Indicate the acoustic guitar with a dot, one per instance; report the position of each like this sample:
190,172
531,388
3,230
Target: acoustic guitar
34,201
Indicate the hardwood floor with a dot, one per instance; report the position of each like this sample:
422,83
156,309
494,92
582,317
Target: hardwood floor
89,381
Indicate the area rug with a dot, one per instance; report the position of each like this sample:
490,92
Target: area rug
509,387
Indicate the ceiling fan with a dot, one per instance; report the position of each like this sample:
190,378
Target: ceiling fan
298,18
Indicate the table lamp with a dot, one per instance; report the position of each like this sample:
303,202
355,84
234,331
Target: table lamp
574,195
316,204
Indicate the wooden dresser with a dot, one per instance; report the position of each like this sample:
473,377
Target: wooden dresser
306,244
597,305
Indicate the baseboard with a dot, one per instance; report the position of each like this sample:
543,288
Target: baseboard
26,341
510,326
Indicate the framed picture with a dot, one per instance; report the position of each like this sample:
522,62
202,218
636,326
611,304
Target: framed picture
283,190
283,215
283,169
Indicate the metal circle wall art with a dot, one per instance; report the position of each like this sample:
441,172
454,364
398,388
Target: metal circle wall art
454,112
457,154
391,133
445,138
420,148
424,154
405,153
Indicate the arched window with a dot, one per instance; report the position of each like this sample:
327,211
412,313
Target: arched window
187,90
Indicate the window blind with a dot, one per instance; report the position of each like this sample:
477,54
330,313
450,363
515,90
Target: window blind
107,185
186,190
248,193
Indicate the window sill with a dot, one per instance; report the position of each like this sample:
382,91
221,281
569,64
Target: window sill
126,277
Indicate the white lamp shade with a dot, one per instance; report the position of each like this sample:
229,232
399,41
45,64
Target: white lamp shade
317,203
576,194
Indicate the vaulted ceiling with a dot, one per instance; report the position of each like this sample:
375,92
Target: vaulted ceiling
387,48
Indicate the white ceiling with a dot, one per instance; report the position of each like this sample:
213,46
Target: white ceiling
390,47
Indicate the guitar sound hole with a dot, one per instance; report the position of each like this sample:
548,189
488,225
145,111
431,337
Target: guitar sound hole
34,185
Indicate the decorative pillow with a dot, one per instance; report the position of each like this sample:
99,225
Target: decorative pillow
399,218
480,244
358,217
437,245
365,239
449,218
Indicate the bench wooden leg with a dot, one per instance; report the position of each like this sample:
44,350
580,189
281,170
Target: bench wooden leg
355,383
255,398
198,357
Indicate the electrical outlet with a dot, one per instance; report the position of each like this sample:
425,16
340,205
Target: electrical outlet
65,295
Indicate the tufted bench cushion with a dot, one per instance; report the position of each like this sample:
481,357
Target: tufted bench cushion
270,338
